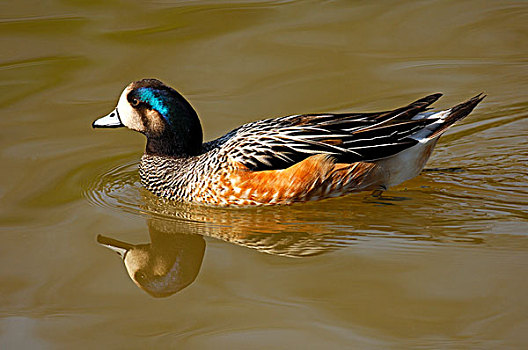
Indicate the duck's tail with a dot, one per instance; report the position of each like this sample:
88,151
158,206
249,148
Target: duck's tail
441,121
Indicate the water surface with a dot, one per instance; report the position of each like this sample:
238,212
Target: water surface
440,263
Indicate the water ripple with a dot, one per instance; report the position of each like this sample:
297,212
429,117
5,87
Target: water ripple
118,187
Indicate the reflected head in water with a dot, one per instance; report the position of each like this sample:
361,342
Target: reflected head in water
165,266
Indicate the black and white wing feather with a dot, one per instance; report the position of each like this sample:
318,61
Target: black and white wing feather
349,137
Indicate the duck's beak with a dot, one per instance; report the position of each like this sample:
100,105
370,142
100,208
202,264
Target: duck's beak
111,120
119,247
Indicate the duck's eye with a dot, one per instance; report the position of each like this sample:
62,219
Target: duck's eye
140,276
134,102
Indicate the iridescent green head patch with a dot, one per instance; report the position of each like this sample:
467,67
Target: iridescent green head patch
156,99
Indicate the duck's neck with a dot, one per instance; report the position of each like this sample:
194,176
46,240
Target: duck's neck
181,140
172,177
169,147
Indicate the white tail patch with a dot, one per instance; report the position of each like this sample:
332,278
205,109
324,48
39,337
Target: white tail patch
422,136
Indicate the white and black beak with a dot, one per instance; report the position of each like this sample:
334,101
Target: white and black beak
111,120
120,247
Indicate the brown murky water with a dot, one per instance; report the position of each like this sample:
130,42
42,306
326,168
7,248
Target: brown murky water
441,264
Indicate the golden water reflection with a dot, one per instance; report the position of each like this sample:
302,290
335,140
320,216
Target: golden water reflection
172,259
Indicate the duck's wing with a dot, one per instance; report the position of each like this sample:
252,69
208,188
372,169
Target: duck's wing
349,137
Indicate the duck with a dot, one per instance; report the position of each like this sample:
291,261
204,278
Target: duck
277,161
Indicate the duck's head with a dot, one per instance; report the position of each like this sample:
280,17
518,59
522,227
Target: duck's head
162,114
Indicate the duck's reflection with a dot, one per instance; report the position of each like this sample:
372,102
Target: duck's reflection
166,265
172,260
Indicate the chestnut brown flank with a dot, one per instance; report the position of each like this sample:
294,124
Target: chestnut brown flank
314,178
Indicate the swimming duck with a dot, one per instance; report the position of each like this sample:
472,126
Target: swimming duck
277,161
